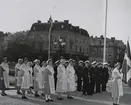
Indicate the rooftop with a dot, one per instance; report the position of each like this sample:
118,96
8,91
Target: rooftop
58,25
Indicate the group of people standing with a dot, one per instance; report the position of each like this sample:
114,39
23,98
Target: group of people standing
64,76
40,76
94,77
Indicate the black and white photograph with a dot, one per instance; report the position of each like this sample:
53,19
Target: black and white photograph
65,52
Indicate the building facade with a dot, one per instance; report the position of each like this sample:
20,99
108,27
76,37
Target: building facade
76,40
114,50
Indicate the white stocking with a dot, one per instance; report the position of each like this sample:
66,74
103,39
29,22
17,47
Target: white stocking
49,97
118,99
46,97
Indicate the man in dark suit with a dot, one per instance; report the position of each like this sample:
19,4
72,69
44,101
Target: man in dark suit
87,79
93,70
105,75
98,78
79,73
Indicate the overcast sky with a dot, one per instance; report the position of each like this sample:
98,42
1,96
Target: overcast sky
16,15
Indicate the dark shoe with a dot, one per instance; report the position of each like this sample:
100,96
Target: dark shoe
47,101
84,94
60,98
19,93
28,92
69,97
5,94
50,100
43,94
31,92
90,94
24,97
2,94
37,95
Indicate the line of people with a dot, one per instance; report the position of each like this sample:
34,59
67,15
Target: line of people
92,77
40,77
65,76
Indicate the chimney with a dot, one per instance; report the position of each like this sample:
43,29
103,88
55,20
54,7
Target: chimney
66,21
56,20
38,21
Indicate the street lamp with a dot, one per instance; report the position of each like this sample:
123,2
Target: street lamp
61,44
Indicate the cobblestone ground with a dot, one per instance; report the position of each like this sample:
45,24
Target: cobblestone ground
96,99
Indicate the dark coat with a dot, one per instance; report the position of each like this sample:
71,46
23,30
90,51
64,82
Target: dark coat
80,71
105,74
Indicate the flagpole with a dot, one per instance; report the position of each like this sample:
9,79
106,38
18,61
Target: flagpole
49,37
104,54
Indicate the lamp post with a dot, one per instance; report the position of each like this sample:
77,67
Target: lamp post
61,44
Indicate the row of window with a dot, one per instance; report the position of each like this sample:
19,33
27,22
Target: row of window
42,46
59,26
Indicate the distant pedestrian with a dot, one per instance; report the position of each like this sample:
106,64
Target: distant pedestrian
117,88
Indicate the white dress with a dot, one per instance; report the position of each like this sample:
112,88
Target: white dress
26,77
71,85
5,66
117,88
42,72
30,76
51,79
61,79
38,76
18,74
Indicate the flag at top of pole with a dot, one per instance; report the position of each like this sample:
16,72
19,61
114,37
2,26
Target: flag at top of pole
49,36
126,66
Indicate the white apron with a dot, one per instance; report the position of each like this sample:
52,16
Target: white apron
71,85
5,66
51,80
61,79
117,88
26,77
30,76
39,76
42,70
18,77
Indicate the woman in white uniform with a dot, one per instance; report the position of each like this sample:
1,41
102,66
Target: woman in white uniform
117,88
37,77
18,75
71,85
49,86
30,64
61,86
25,78
44,65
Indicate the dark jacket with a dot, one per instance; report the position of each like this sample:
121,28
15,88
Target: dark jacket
80,71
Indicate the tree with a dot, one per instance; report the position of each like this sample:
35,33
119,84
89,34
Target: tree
17,45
